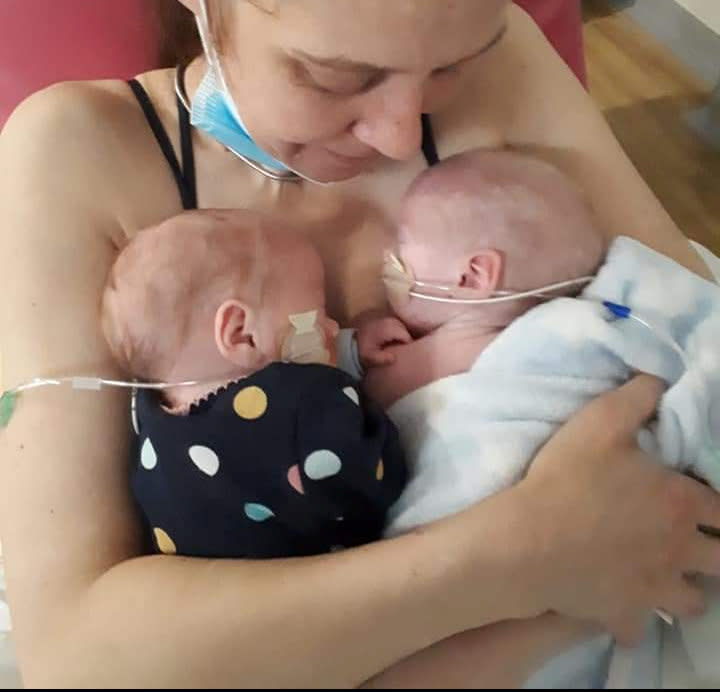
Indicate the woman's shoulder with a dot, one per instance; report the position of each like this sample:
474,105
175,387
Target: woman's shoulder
86,145
502,91
57,147
58,114
71,134
86,122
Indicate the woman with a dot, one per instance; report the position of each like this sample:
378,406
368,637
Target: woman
334,89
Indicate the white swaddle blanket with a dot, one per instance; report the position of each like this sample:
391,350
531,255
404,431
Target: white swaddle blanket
470,435
688,650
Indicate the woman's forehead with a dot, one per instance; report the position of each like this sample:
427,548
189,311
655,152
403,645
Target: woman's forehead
386,34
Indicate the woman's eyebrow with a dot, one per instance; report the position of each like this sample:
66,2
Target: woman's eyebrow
490,44
346,65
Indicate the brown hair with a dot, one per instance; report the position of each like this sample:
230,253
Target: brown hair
180,42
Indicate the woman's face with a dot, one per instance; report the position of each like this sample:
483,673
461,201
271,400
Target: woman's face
330,86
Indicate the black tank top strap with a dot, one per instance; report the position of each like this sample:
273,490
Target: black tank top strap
428,141
184,175
188,154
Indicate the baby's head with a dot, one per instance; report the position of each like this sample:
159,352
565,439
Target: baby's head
491,221
208,296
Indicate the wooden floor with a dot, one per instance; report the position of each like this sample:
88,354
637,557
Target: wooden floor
646,93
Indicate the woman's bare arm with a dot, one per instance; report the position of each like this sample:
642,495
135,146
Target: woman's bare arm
503,655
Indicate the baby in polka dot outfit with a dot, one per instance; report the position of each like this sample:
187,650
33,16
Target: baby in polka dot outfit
275,452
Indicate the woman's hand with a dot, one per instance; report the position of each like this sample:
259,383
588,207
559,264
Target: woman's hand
616,532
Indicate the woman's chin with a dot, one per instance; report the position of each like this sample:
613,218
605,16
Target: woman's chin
325,166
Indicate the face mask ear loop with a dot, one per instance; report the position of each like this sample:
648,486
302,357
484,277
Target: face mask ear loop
203,25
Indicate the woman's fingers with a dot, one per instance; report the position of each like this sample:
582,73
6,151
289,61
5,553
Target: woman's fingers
683,599
614,416
703,556
629,407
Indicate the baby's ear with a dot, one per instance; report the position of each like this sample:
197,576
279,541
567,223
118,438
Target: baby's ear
483,271
232,336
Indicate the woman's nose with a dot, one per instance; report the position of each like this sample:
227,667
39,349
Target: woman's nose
391,122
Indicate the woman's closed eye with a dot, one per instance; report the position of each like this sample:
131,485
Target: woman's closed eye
337,82
449,71
340,82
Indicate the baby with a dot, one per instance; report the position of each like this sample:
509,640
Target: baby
484,384
494,368
262,448
470,228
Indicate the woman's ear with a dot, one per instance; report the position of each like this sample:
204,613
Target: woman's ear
232,337
483,272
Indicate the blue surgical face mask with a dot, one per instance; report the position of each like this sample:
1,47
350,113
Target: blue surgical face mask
213,110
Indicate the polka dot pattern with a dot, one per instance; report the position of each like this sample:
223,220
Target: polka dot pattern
148,456
165,544
351,393
250,403
205,459
274,463
322,464
380,470
295,480
257,512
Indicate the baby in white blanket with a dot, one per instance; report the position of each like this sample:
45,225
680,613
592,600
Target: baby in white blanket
482,386
478,224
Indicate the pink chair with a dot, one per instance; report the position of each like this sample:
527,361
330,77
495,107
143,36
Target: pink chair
561,20
47,41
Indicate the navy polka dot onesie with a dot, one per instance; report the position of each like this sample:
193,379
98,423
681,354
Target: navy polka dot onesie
290,461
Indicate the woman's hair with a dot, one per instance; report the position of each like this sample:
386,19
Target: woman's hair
180,39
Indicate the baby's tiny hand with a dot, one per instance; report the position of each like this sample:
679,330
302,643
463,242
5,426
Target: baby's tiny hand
374,337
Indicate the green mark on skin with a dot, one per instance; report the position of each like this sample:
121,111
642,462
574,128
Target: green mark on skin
7,406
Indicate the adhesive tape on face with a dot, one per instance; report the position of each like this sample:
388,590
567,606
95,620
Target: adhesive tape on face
306,343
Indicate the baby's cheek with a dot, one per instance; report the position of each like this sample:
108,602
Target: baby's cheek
413,313
400,303
274,338
332,351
